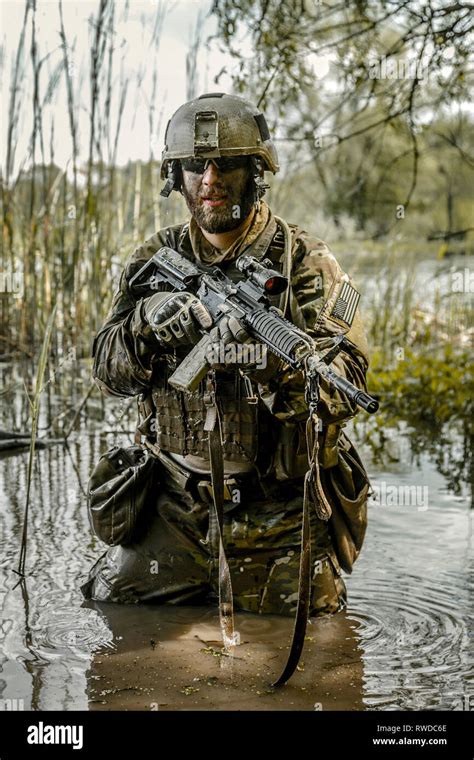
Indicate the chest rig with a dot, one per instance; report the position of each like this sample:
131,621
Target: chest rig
176,421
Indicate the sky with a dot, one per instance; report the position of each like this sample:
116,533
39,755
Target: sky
132,52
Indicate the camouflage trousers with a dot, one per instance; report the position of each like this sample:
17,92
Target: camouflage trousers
172,559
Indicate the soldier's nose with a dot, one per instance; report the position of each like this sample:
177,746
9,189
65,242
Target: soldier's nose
211,175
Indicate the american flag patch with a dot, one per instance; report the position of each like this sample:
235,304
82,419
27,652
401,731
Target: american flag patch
346,304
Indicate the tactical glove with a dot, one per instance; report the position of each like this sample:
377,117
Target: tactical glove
176,319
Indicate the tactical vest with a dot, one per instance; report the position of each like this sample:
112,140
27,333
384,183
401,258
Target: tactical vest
177,423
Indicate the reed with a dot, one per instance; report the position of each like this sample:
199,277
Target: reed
34,414
67,232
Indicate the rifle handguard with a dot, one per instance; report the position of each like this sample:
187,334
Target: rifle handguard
277,332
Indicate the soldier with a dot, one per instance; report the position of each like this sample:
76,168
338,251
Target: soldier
217,150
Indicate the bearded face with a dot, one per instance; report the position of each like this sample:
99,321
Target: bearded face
218,200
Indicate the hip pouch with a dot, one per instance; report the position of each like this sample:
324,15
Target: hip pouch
347,486
117,492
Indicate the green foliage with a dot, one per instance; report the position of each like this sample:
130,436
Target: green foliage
428,398
435,386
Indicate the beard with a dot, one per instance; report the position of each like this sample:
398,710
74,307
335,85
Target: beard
240,197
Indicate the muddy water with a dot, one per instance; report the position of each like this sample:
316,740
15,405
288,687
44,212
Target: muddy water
174,660
403,643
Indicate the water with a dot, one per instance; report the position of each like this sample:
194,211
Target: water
412,592
402,644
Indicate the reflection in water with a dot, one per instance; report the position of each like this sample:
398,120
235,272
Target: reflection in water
403,643
412,588
46,638
450,447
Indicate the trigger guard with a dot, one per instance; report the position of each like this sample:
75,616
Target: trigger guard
185,318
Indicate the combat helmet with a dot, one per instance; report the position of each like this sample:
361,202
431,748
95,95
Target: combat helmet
217,125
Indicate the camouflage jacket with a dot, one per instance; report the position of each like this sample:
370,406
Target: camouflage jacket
128,361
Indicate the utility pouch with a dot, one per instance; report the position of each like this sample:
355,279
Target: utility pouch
291,460
118,490
347,487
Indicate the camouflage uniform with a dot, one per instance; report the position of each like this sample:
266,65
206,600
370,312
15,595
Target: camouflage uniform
263,531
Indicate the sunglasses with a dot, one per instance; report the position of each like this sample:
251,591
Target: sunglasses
199,165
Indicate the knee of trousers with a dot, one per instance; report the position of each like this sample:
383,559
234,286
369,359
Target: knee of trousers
269,585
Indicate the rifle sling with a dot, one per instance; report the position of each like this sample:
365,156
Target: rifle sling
304,594
216,515
261,245
313,493
212,425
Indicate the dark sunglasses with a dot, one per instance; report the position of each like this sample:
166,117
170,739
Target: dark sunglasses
199,165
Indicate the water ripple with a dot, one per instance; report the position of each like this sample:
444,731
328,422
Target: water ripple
414,642
61,629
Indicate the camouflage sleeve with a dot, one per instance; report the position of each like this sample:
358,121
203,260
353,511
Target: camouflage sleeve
316,279
124,349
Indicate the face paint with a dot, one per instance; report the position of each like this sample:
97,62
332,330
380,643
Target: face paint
219,201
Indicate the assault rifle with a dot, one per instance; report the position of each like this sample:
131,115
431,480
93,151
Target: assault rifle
248,301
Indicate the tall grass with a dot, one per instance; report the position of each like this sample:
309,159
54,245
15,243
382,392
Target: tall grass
34,410
67,231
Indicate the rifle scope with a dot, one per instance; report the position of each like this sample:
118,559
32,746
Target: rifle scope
269,280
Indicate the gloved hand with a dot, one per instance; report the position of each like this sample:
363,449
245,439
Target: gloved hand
231,346
176,319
